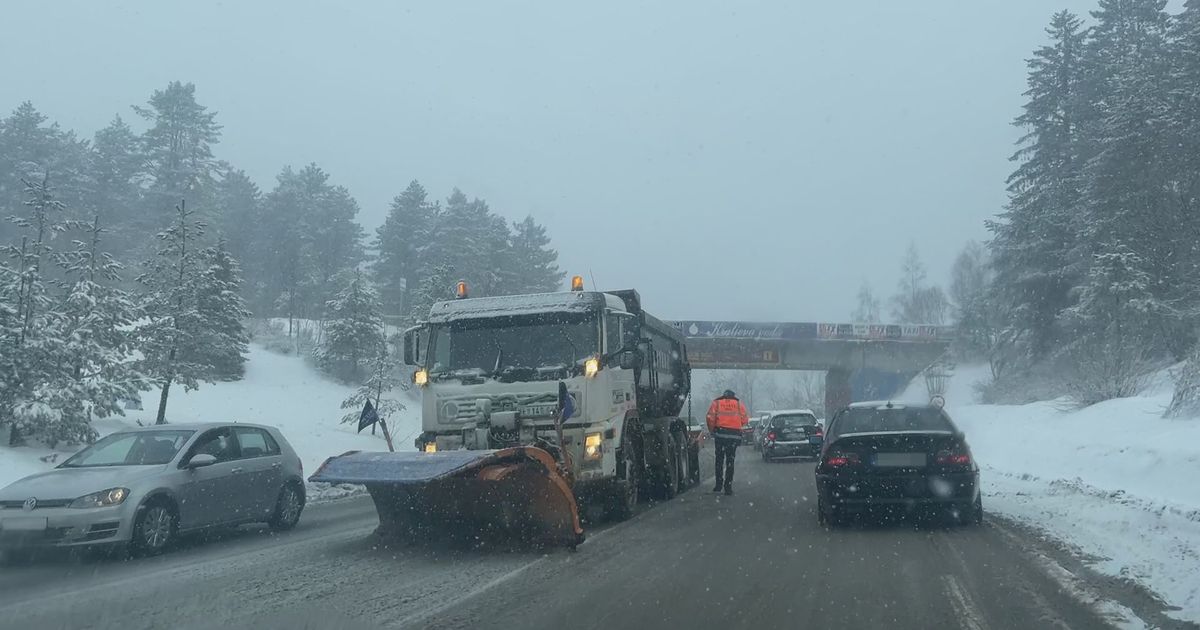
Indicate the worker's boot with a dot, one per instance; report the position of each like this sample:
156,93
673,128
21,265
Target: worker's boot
728,490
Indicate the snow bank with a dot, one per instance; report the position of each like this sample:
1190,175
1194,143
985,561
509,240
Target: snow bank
278,390
1115,480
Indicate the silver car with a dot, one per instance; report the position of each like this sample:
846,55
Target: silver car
144,486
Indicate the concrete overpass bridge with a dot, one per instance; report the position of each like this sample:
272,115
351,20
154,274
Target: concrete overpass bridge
860,361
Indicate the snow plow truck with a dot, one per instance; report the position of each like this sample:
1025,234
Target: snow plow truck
533,406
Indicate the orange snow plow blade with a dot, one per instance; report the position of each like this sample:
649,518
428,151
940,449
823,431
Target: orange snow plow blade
514,492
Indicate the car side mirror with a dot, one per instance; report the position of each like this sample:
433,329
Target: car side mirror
201,460
628,360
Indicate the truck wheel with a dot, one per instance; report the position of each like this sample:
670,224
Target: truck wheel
693,454
668,474
681,461
626,491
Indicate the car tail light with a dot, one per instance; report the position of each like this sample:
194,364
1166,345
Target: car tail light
817,431
955,457
771,436
837,460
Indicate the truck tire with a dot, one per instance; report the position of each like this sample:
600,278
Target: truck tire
682,478
668,474
626,490
693,455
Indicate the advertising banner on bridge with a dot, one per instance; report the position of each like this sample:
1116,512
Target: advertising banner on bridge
776,331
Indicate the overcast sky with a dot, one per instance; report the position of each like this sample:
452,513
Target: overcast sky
748,160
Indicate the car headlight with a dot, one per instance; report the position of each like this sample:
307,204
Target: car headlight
104,498
593,446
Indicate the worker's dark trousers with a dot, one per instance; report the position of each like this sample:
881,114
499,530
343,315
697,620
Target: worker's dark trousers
726,451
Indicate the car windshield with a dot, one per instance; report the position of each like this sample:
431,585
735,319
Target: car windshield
875,420
140,448
495,345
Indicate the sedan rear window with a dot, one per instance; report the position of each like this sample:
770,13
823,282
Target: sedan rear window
794,420
868,420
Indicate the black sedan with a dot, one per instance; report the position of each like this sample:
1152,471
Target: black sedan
896,456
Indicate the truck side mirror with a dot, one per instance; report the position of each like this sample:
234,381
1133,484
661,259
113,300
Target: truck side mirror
412,346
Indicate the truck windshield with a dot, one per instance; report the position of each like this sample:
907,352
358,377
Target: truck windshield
496,345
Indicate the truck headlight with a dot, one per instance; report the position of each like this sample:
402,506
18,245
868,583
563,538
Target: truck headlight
430,447
591,367
104,498
593,446
421,377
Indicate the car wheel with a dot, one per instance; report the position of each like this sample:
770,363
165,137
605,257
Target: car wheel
976,515
288,507
154,530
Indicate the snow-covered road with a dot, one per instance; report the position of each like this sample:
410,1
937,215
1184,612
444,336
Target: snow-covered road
754,560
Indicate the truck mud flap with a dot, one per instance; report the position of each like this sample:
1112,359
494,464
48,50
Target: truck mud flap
513,492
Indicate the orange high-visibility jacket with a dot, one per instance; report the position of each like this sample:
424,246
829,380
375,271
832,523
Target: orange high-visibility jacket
727,416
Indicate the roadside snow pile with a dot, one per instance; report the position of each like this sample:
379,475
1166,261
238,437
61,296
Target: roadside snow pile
1115,480
281,391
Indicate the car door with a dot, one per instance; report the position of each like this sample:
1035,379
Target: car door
262,464
211,495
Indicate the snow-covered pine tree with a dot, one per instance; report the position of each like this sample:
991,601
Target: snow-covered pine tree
178,151
1128,196
175,327
222,313
500,270
383,379
867,310
1114,327
459,244
237,205
95,369
534,260
31,149
906,304
1035,240
117,162
435,286
973,313
353,331
401,242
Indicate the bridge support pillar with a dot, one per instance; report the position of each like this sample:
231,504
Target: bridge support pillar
837,390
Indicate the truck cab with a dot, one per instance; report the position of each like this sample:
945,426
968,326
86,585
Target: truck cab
589,366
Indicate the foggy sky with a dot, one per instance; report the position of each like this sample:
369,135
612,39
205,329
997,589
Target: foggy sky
749,160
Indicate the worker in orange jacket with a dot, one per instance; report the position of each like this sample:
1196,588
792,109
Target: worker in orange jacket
727,417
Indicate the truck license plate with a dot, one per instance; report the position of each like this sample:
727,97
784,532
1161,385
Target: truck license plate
536,411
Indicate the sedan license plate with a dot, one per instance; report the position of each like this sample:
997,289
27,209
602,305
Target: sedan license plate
900,460
24,524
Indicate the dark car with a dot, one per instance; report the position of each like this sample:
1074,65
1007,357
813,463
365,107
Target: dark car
792,434
748,431
897,456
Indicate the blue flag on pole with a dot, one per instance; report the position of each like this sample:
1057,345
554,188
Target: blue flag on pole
368,417
566,404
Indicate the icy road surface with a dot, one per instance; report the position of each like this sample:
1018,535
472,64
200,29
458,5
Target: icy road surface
755,560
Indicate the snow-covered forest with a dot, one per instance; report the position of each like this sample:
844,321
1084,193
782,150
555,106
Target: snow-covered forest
134,260
1093,279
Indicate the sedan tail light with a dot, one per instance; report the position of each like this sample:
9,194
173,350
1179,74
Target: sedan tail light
838,460
953,457
771,436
